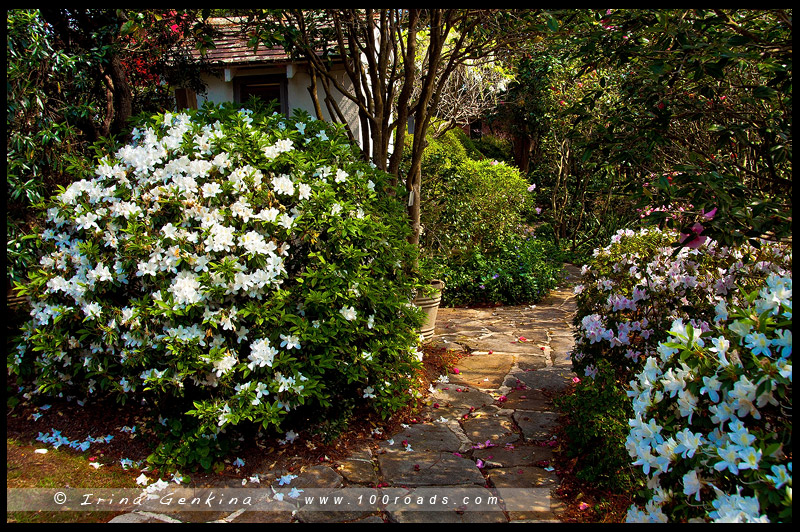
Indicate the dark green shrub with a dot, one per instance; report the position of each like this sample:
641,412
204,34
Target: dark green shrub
598,412
519,270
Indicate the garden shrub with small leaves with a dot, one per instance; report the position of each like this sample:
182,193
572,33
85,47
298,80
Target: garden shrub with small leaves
631,293
520,270
474,237
233,266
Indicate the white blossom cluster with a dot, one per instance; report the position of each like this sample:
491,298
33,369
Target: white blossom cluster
183,247
752,372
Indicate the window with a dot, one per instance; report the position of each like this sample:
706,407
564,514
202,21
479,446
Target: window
266,88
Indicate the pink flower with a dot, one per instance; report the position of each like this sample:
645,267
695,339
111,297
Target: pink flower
583,506
710,214
479,463
532,187
694,239
455,370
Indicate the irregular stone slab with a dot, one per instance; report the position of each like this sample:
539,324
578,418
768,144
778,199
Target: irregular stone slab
561,347
331,512
321,476
554,379
358,471
499,430
536,426
428,468
510,342
529,399
446,504
519,454
370,519
483,371
527,491
522,477
424,437
454,403
276,512
143,517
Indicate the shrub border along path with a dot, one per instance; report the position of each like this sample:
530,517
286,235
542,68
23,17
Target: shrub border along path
491,429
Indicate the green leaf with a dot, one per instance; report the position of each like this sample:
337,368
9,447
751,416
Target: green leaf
764,93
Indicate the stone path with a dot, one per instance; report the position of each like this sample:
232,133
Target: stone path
489,441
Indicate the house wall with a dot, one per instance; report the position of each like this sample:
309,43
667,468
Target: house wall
218,90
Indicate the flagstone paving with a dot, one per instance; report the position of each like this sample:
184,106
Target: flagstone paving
490,433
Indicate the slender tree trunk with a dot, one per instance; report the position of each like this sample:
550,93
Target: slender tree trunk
123,96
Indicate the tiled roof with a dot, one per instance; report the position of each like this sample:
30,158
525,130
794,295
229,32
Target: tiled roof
232,48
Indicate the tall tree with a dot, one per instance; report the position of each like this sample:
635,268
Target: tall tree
391,78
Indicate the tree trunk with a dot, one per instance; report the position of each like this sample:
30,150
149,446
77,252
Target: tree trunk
123,96
522,152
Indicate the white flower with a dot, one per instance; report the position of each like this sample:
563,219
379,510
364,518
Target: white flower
290,341
223,366
185,288
303,191
349,313
692,484
279,147
255,244
286,479
283,185
220,238
261,354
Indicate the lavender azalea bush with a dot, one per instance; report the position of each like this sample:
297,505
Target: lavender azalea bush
242,264
634,288
641,301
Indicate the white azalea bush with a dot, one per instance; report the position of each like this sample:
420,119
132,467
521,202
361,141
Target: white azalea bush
248,265
712,426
